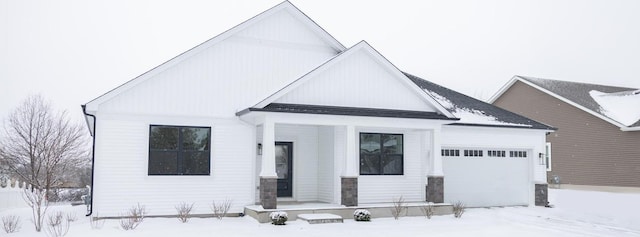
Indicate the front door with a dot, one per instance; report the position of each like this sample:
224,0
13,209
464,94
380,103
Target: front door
284,168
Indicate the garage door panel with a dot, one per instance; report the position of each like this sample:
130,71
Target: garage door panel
486,181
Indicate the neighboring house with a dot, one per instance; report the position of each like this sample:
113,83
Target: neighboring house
276,109
598,137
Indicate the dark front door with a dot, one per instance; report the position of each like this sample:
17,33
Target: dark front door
284,168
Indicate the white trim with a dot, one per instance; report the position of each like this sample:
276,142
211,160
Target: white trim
525,81
362,45
286,5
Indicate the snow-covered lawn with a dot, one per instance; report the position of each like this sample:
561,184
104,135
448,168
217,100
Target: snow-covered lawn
576,213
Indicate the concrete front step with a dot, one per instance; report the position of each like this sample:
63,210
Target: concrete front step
320,218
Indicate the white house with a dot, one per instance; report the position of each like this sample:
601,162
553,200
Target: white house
276,109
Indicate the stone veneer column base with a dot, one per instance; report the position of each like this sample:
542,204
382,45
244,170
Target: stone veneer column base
349,194
542,194
435,189
268,192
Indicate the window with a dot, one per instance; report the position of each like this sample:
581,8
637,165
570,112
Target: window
496,153
547,155
517,154
175,150
381,154
450,152
473,153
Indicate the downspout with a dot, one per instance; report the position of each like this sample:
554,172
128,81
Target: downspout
93,155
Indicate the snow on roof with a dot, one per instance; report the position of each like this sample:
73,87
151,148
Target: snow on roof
623,107
470,116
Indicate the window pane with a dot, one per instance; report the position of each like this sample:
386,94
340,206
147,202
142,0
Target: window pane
196,139
392,144
163,138
369,143
392,164
195,162
369,164
163,162
282,161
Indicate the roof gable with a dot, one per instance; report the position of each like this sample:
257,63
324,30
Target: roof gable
358,77
583,96
237,31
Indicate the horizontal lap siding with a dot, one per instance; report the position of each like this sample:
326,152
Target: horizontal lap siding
585,149
121,178
411,185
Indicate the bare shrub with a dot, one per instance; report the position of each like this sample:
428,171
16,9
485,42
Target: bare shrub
71,217
57,224
427,210
11,223
133,217
220,210
184,211
458,209
398,207
37,200
95,222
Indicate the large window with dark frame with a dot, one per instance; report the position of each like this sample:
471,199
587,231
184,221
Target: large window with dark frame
179,150
381,154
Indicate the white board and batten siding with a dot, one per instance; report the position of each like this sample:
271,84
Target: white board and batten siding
121,174
231,75
356,81
410,185
492,181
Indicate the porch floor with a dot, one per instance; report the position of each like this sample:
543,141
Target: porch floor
378,210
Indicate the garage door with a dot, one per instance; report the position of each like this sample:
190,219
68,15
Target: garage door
485,178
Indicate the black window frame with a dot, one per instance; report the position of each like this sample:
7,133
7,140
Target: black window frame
180,168
381,155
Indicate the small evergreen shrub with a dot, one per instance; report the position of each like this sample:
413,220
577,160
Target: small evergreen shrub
278,217
362,215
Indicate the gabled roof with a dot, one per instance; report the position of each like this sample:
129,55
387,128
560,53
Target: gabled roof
580,95
286,6
363,45
474,112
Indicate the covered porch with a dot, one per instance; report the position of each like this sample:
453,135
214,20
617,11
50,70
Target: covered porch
333,156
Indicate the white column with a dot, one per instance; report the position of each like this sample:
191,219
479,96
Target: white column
351,164
268,150
435,168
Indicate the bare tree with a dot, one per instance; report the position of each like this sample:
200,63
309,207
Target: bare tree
38,146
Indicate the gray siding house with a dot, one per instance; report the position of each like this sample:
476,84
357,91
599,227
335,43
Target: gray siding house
598,137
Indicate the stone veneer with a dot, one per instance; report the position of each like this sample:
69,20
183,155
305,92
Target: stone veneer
435,189
268,192
542,194
349,194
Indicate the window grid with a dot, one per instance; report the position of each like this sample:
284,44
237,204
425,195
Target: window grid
450,152
473,153
496,153
518,154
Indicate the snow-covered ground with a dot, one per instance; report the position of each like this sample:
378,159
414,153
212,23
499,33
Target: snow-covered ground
576,213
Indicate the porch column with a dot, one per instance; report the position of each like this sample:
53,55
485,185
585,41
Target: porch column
435,176
268,176
349,178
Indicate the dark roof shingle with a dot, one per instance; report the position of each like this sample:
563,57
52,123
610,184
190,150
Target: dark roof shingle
578,92
461,101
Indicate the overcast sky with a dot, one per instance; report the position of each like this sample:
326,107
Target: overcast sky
74,51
